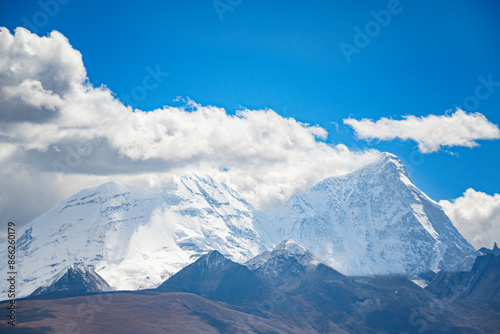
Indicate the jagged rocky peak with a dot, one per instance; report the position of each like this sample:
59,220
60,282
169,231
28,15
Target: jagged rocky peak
287,254
494,251
481,282
292,247
388,168
392,161
213,276
73,280
214,261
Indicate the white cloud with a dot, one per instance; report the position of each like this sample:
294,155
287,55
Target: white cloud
54,120
32,93
477,216
430,132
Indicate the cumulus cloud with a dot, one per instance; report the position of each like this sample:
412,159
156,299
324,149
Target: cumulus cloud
430,132
477,216
58,134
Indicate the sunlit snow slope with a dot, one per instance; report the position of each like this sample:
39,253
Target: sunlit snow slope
372,221
135,238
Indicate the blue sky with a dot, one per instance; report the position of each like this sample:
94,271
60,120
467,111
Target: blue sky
286,55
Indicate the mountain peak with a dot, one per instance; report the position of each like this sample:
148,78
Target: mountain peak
75,279
288,251
389,156
292,247
196,176
494,251
372,221
214,255
108,189
111,186
213,276
390,162
213,262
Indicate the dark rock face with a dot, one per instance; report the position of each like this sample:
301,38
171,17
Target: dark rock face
73,281
482,283
216,277
289,284
494,251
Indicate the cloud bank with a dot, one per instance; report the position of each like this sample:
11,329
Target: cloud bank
430,132
59,133
477,216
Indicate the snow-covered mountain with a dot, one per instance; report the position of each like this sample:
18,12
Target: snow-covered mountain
270,262
136,238
372,221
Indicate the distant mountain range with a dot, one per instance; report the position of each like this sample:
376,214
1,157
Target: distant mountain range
284,290
293,286
371,221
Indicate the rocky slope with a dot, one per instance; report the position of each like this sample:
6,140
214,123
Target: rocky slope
73,281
